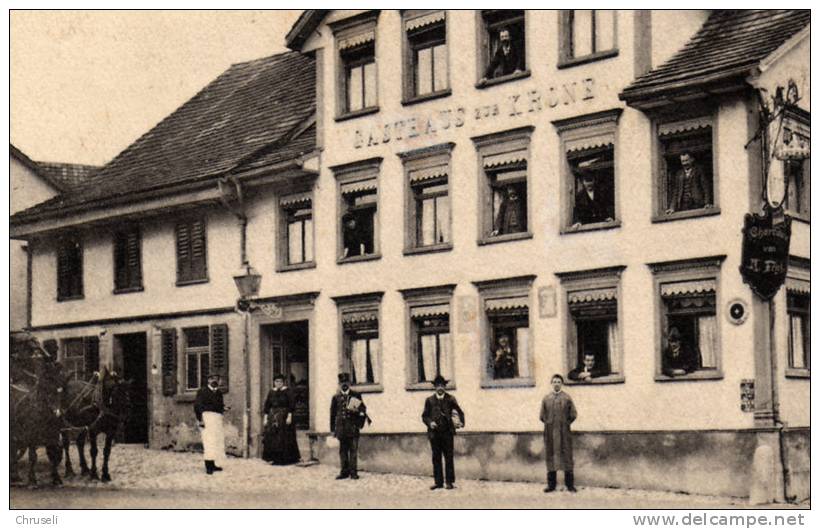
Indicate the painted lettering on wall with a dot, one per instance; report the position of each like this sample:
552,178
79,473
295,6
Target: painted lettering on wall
441,121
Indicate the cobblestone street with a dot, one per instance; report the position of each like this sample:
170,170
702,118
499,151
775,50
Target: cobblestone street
160,479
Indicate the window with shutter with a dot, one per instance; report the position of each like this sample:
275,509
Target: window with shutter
69,268
169,361
220,354
191,251
127,260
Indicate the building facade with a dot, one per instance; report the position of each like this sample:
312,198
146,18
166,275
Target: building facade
491,196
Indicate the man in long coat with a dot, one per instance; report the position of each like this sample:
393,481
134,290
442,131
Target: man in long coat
438,416
347,416
209,407
557,414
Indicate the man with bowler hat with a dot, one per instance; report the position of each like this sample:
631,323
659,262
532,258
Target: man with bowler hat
442,415
347,416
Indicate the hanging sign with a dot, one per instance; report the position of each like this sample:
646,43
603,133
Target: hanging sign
765,253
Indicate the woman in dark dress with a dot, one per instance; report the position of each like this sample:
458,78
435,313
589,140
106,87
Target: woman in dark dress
279,441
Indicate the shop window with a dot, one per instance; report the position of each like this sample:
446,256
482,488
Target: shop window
205,351
358,221
360,347
588,170
502,45
80,357
594,344
504,196
426,61
430,344
689,326
296,231
587,34
357,81
687,181
127,260
798,190
428,219
192,258
506,335
798,309
69,268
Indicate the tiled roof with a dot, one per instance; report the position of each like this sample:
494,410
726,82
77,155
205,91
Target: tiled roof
729,44
70,175
251,108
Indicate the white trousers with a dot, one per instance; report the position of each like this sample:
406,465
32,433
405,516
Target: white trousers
213,437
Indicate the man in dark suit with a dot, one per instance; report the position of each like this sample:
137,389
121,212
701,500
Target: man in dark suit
347,416
587,371
511,216
506,60
438,416
690,189
590,205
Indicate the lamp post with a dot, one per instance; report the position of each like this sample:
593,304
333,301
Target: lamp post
247,283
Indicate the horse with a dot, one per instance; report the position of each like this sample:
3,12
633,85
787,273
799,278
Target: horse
34,410
99,406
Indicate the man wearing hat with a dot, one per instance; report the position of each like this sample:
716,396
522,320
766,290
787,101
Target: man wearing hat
439,411
590,204
209,408
347,416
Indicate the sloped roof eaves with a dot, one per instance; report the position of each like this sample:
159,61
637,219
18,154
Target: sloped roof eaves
307,22
36,168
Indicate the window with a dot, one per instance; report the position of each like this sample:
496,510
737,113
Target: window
504,207
426,62
80,358
358,207
502,46
69,268
360,346
798,307
594,342
204,351
127,260
296,231
587,34
798,190
428,220
689,328
430,344
356,47
686,175
588,170
192,264
507,352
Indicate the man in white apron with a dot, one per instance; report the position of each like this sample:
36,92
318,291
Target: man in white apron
209,408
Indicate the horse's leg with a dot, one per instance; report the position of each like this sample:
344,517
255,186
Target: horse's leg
32,461
54,452
109,438
14,457
69,471
92,439
81,451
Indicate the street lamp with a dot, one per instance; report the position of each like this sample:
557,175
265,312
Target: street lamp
247,283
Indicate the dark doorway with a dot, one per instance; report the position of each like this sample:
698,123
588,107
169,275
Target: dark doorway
286,352
133,351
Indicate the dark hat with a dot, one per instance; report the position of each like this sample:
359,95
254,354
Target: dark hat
213,375
348,217
344,377
440,381
279,376
674,334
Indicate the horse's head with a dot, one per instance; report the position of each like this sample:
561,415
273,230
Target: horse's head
116,392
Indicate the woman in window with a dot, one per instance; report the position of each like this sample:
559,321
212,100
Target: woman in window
279,440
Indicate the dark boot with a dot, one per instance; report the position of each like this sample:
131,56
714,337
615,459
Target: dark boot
216,468
552,480
569,481
209,466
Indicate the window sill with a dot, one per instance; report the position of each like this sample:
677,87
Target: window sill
426,386
426,97
505,238
192,282
609,379
797,372
697,375
500,80
297,266
688,214
357,113
434,248
521,382
70,298
368,388
128,290
185,397
577,61
359,258
596,226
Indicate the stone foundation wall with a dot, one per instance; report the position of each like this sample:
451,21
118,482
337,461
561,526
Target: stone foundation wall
797,460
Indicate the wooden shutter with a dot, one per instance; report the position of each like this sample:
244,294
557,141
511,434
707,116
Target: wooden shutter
191,250
69,269
63,272
183,251
91,346
220,353
169,361
198,250
128,259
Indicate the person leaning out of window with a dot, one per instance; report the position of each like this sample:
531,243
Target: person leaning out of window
588,370
506,60
690,188
677,358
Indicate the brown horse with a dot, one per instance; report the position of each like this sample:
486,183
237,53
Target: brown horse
95,407
34,406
